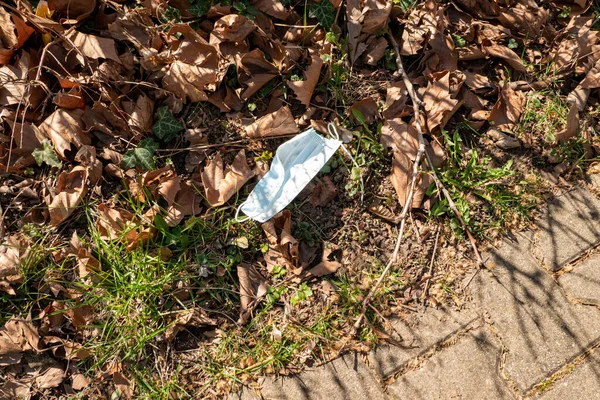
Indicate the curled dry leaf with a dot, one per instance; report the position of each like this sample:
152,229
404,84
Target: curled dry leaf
117,223
571,127
65,128
277,123
254,71
70,99
327,266
253,286
222,183
304,89
233,28
87,263
73,9
79,382
140,113
323,192
94,47
402,176
194,68
506,114
274,8
18,335
195,317
439,104
50,378
67,194
25,139
13,252
365,110
505,54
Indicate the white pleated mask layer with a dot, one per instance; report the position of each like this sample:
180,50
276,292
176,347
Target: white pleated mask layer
294,165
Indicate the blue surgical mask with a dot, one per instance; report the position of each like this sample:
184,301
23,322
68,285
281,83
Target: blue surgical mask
295,164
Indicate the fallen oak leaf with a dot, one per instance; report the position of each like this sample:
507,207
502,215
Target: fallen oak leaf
65,128
277,123
253,286
70,189
232,28
254,71
52,377
94,47
222,183
304,89
195,317
504,53
323,192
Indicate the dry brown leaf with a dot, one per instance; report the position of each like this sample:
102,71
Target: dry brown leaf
117,223
402,174
525,18
71,99
254,71
73,9
323,192
94,47
366,108
253,286
187,202
233,28
279,234
141,113
575,7
326,266
280,122
304,89
65,128
375,51
439,105
353,17
52,377
14,32
273,8
13,81
87,263
15,390
70,189
376,15
508,109
79,382
222,183
422,23
13,252
194,317
194,68
571,127
484,9
18,335
123,384
400,136
506,54
26,138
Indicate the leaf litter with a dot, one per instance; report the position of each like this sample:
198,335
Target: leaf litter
130,132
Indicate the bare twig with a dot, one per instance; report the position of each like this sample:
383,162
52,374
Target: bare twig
411,192
437,237
407,205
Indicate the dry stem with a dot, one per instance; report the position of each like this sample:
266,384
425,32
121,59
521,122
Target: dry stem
408,204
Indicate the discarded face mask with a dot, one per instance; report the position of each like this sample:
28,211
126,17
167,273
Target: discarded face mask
295,164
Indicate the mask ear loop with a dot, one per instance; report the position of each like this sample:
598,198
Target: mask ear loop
237,213
335,135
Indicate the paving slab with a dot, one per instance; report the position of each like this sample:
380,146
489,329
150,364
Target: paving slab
583,383
583,282
347,377
569,225
540,327
468,369
420,332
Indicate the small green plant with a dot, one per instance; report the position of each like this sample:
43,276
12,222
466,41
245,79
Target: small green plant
170,15
46,155
304,292
278,271
142,156
459,41
324,12
565,12
512,44
166,126
304,231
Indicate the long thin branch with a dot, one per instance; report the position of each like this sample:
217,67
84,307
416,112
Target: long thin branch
408,204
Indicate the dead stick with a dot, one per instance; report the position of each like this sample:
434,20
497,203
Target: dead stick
411,192
437,237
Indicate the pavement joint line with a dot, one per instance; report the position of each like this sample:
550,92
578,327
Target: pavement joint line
510,384
562,372
416,362
568,267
